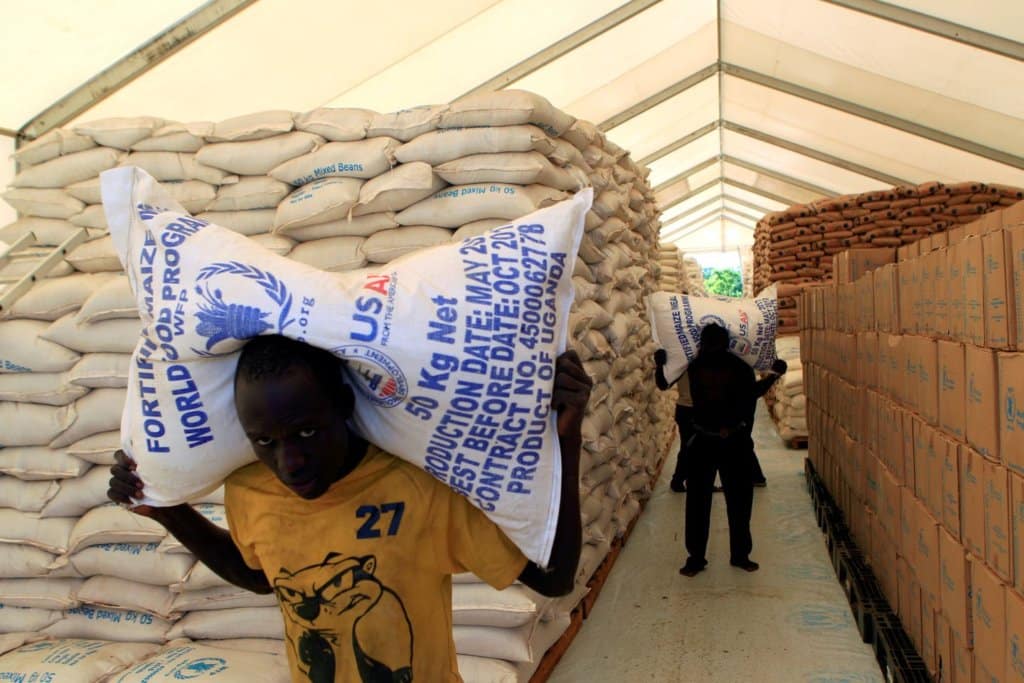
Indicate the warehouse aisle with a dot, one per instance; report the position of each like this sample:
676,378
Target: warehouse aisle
787,623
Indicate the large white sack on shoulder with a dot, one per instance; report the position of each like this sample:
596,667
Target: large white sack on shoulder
133,562
112,524
406,124
257,192
223,597
49,388
194,195
25,496
182,660
333,254
177,166
361,159
440,146
455,206
245,222
71,661
51,299
258,157
477,604
321,201
43,203
49,232
31,424
24,562
110,591
677,319
397,189
30,529
336,124
514,168
106,336
175,137
50,146
87,191
78,496
477,228
484,670
67,170
506,108
387,245
91,217
242,622
55,594
382,361
112,299
120,133
39,463
97,256
106,623
275,244
101,370
97,449
360,226
15,619
255,126
212,512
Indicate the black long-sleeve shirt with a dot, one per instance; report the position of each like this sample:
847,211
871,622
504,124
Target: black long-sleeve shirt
724,390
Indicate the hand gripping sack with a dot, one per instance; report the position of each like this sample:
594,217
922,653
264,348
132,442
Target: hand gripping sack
677,319
464,334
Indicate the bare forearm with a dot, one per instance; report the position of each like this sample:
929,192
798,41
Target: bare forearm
212,546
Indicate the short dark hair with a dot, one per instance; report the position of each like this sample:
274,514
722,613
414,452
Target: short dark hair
714,335
274,356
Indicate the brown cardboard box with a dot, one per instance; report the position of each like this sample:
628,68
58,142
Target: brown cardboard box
963,662
909,454
944,648
1013,215
938,445
923,435
852,264
1017,529
927,324
908,526
951,489
998,532
956,235
940,240
952,406
988,616
889,506
864,293
955,586
929,650
940,267
982,402
974,291
905,280
886,305
972,502
1011,409
927,554
928,380
870,367
955,290
1000,325
914,630
990,222
1014,638
903,578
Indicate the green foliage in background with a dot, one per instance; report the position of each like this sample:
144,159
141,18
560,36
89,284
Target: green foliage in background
723,282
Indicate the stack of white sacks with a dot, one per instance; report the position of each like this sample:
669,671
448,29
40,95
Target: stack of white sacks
789,404
338,189
747,270
693,277
673,278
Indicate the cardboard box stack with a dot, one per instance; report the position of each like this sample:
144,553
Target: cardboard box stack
338,189
913,371
795,247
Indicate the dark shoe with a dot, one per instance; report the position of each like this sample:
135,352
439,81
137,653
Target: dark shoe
677,486
760,483
746,565
693,567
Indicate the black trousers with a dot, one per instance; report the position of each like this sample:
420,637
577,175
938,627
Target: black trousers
731,458
684,420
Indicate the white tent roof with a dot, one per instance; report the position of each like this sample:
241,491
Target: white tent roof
738,106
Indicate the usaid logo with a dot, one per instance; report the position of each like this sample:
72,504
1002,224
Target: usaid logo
195,668
376,376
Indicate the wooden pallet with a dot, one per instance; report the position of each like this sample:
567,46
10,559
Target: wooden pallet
558,650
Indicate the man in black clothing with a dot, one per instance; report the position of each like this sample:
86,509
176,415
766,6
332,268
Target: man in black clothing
724,392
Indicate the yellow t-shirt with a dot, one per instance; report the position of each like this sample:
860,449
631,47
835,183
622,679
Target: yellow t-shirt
363,573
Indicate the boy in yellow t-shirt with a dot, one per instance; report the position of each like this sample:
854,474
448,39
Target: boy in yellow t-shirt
358,546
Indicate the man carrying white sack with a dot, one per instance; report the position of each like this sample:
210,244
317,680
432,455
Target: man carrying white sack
358,546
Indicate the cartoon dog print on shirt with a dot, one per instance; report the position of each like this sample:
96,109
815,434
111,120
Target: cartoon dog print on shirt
350,623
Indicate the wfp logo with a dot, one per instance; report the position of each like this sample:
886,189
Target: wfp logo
377,376
205,666
220,320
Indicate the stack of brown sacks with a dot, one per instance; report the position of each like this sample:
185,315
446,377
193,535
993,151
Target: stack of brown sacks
794,248
338,189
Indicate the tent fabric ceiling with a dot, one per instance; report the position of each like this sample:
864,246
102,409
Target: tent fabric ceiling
738,106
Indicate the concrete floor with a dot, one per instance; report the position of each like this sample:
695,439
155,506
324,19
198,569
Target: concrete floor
787,623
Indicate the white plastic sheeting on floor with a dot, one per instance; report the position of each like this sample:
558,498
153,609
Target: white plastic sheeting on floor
787,623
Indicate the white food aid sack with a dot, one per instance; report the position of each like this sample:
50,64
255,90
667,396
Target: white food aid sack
677,319
451,350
